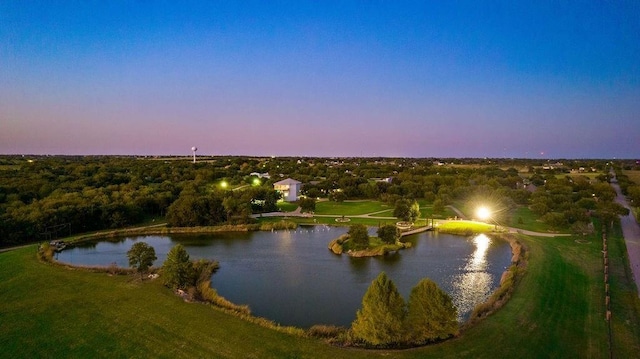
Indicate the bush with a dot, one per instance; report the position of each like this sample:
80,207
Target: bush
327,332
210,295
268,226
45,252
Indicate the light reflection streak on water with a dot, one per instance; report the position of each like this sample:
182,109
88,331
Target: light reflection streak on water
473,286
478,260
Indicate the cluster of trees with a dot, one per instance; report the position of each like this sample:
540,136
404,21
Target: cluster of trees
193,208
629,189
572,200
45,197
407,210
385,319
359,235
178,270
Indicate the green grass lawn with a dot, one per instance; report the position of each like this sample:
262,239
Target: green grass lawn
530,221
557,310
464,226
625,323
351,208
287,206
426,211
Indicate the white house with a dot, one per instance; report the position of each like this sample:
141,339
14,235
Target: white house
289,188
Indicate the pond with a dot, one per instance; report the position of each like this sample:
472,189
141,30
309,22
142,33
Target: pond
292,278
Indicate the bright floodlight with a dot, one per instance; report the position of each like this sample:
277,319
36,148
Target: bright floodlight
256,182
483,213
224,184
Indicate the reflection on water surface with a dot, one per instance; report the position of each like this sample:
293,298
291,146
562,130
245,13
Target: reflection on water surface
474,285
292,278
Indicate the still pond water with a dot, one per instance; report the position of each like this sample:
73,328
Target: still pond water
292,278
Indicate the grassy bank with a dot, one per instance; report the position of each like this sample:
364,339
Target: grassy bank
465,228
625,324
557,310
275,223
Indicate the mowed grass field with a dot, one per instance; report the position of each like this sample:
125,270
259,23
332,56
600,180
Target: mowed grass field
557,311
353,208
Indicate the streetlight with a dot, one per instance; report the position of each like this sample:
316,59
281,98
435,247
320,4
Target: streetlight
483,213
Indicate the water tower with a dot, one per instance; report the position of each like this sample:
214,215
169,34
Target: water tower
194,149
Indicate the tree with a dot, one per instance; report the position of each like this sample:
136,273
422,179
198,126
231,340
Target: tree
431,314
141,257
389,233
407,210
554,219
379,321
358,237
307,205
633,193
181,213
236,209
177,269
438,205
338,196
609,212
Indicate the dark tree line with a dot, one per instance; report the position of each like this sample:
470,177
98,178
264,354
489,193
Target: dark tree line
44,197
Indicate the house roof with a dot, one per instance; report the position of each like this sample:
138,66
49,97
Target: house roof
287,181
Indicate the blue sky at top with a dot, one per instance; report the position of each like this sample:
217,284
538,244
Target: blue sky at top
330,78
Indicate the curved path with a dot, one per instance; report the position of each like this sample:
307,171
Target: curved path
298,213
631,233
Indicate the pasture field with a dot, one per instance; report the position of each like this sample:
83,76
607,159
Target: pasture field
557,310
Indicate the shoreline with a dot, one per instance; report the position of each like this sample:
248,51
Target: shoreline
496,300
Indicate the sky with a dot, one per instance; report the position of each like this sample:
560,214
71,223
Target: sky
524,79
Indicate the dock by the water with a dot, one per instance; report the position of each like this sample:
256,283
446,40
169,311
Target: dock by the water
417,230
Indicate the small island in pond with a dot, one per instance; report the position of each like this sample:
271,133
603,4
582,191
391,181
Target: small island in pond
358,243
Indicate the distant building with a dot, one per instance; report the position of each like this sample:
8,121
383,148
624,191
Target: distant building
289,188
